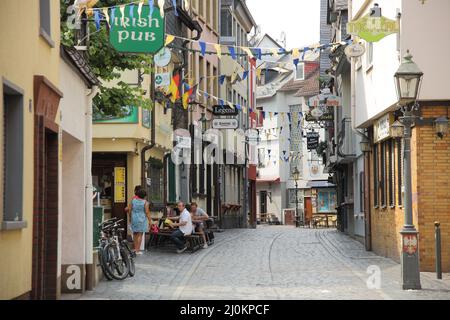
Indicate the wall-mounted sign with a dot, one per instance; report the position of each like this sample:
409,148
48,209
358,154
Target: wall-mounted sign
136,33
355,50
312,140
184,142
225,110
324,117
381,128
225,124
162,80
317,113
146,118
373,29
120,185
129,115
163,57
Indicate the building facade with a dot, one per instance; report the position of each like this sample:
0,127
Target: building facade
375,110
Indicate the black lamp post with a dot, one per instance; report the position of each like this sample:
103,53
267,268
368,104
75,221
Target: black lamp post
296,177
408,79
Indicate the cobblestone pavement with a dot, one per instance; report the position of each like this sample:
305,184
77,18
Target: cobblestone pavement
268,263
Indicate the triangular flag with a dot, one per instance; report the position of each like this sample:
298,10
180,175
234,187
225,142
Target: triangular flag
295,53
122,12
222,79
151,5
106,14
97,19
186,5
132,13
248,52
304,52
174,4
202,47
161,7
258,73
258,53
169,39
218,50
232,52
231,105
113,16
275,53
296,61
140,9
245,75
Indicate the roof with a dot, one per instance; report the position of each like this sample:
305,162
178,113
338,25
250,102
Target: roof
311,81
310,86
79,62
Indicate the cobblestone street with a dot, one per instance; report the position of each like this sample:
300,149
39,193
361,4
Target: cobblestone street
268,263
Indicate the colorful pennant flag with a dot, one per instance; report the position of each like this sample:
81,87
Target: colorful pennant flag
174,4
161,7
169,39
218,50
202,48
245,75
151,5
97,19
232,52
106,14
174,88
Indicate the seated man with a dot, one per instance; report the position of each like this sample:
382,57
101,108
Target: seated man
199,217
185,228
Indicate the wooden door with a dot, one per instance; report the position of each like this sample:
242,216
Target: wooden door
308,209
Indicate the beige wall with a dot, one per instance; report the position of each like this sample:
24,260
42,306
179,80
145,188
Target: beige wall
23,54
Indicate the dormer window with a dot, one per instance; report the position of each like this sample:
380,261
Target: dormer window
300,72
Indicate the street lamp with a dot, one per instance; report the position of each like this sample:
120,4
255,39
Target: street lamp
365,145
296,177
203,121
408,79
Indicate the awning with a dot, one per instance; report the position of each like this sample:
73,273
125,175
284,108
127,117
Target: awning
269,180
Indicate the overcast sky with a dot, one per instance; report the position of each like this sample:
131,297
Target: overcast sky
300,19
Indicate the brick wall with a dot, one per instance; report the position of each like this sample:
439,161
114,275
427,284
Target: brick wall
433,189
431,197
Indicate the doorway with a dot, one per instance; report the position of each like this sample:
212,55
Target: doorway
308,209
263,202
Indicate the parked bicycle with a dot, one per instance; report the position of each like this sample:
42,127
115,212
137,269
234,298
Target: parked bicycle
115,256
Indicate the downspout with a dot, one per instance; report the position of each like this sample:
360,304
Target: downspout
153,132
89,190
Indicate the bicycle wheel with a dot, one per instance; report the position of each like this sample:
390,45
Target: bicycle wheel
131,256
102,261
117,262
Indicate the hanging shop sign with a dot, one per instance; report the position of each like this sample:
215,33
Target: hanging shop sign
324,117
324,100
381,128
137,32
162,80
227,124
225,110
184,142
313,140
120,185
129,115
373,29
355,50
163,57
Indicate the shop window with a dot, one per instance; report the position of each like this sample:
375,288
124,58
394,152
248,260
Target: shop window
391,174
155,181
383,175
13,138
375,177
400,172
361,191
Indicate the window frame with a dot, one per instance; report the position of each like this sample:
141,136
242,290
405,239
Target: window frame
45,23
391,175
300,64
383,174
375,170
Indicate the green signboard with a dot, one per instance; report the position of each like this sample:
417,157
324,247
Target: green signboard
373,29
130,115
134,33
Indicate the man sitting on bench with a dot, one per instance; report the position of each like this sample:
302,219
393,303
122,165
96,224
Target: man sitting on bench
199,218
185,228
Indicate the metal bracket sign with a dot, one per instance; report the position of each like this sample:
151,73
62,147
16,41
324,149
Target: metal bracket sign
225,110
134,33
325,117
227,124
325,100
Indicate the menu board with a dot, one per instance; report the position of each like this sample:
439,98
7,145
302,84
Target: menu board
119,185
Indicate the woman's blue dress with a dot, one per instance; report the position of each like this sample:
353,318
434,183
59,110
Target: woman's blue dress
139,222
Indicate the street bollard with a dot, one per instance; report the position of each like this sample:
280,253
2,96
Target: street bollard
437,226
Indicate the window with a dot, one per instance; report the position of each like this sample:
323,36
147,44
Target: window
375,177
300,72
261,157
45,25
155,176
383,175
369,55
13,127
226,24
361,191
391,173
400,172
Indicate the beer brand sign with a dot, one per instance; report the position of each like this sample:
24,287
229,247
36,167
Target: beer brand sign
134,33
373,29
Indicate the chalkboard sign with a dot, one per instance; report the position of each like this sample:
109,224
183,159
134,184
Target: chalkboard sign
313,140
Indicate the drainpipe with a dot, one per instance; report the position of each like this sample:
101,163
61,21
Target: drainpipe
153,132
89,190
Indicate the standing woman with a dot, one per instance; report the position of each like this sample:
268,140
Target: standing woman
139,214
